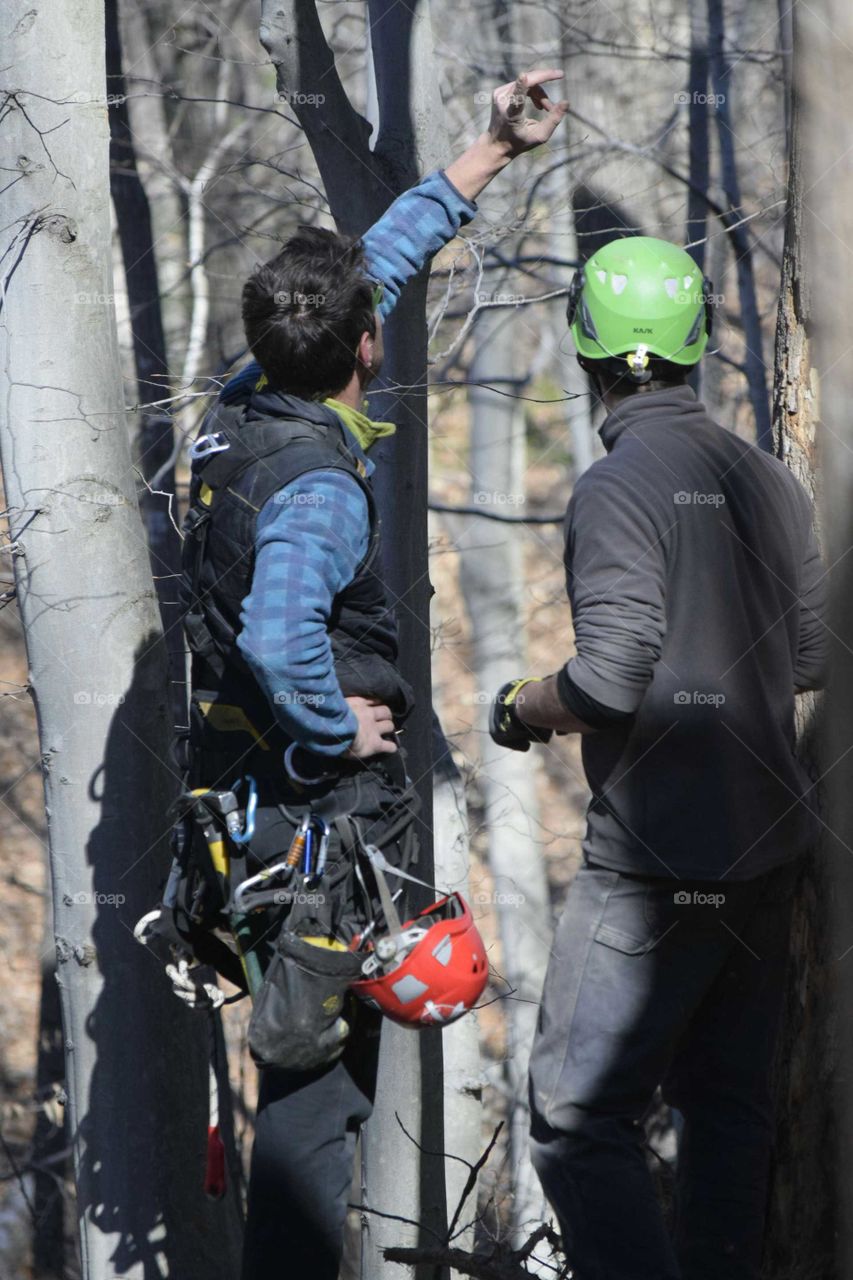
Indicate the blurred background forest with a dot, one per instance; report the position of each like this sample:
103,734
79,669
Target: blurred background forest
677,129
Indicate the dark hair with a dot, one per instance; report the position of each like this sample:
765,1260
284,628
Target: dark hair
612,375
305,310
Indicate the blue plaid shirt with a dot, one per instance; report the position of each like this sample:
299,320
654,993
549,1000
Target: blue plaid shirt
312,535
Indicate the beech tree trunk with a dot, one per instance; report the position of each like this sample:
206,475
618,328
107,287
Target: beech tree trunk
136,1060
801,1237
823,218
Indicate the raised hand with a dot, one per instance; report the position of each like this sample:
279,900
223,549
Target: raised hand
509,125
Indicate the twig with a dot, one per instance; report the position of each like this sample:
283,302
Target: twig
471,1180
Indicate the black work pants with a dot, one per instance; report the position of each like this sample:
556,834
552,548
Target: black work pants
653,983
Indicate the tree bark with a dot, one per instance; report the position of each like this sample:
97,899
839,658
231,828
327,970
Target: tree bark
136,1062
800,1225
463,1080
699,165
824,90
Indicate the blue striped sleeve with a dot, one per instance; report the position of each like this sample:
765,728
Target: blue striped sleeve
311,537
411,231
398,246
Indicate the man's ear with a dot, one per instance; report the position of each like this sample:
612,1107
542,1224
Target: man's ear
365,349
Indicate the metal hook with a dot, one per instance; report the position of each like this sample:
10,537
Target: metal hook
205,445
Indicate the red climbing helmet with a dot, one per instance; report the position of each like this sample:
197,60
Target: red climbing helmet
432,971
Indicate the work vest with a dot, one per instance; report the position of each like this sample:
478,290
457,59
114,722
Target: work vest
239,463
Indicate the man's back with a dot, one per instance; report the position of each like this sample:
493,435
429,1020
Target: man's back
697,593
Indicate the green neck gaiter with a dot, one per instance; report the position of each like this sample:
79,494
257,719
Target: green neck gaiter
365,431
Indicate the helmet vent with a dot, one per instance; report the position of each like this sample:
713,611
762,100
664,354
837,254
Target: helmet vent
443,951
602,275
618,282
671,286
688,280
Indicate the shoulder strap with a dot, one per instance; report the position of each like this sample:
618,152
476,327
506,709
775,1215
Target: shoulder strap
239,444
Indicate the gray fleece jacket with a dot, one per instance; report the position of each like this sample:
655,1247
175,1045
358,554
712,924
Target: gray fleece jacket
698,599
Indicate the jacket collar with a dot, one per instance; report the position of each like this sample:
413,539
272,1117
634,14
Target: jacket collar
645,407
267,402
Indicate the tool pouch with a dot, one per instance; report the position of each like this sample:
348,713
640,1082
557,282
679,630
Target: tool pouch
299,1019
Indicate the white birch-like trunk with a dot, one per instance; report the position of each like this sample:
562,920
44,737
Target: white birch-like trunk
136,1061
492,575
463,1084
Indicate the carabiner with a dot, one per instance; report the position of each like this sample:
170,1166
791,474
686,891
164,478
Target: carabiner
205,445
322,850
244,836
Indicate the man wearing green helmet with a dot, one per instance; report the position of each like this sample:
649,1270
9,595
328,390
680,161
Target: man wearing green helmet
698,599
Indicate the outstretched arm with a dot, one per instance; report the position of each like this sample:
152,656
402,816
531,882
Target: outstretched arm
427,216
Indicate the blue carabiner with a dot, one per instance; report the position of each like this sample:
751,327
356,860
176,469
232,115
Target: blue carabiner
251,808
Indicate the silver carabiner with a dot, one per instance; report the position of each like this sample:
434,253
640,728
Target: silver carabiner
245,889
205,445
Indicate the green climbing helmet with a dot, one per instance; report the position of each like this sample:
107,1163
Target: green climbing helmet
637,298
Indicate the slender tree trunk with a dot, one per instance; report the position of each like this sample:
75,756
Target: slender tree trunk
463,1082
699,168
565,245
741,240
136,1062
143,56
492,573
699,165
